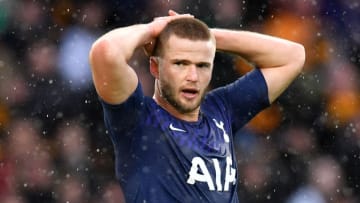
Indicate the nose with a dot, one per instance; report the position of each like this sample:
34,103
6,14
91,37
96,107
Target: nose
192,73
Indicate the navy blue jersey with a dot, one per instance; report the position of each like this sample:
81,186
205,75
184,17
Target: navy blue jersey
161,159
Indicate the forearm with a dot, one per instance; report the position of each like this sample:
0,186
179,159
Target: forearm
121,43
280,60
263,50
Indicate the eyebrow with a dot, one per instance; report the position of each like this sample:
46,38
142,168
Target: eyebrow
203,63
180,60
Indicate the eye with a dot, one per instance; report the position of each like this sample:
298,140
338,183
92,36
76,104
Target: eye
179,63
203,65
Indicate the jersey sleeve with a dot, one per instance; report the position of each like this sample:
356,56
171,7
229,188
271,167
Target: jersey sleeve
121,119
245,97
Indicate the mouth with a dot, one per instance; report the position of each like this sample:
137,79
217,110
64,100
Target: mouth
189,93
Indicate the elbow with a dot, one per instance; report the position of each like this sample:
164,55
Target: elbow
102,52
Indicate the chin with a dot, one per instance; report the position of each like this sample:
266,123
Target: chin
188,108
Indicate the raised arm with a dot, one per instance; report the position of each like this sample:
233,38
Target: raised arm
113,78
280,60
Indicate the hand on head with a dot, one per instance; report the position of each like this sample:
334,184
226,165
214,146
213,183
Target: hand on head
158,24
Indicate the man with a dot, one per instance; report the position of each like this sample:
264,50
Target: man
178,145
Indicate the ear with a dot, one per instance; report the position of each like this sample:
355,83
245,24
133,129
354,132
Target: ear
154,67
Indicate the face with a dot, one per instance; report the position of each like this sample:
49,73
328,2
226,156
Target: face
184,72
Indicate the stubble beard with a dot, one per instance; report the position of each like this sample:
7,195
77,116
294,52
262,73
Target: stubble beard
167,92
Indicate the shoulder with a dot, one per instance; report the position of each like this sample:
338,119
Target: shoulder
252,83
133,110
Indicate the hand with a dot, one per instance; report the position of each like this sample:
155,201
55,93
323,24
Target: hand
157,25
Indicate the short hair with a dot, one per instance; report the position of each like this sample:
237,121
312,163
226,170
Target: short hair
187,28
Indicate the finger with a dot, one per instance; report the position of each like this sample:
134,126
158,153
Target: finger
172,13
180,16
172,17
148,48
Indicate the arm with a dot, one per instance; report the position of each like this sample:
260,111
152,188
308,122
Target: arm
280,61
113,78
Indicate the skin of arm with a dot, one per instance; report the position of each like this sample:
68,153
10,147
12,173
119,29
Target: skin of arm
113,78
280,61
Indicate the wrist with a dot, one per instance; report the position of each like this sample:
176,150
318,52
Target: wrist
150,29
218,35
144,33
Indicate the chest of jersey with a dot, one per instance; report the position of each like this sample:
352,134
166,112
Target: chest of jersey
200,151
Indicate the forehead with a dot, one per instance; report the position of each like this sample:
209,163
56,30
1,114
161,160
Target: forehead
195,50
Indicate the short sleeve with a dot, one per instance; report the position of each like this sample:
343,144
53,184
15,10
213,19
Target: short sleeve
245,97
120,119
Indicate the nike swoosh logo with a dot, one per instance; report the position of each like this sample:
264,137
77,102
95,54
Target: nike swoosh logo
176,129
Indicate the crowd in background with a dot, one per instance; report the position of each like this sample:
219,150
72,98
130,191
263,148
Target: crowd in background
53,145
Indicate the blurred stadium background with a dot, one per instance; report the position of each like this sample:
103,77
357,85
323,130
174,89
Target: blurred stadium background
53,145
